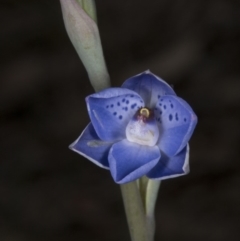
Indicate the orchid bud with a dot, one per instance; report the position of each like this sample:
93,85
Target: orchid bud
84,35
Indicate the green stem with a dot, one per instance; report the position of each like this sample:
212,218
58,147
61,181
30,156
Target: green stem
148,189
150,202
135,212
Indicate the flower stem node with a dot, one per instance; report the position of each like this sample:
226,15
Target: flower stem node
142,128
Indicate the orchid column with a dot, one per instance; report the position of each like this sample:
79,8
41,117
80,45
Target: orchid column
139,131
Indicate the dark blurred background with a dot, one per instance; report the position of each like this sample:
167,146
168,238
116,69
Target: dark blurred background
49,193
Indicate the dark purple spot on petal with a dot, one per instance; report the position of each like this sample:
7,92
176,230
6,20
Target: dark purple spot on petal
185,119
120,117
176,116
171,105
170,117
133,106
127,101
107,106
123,100
118,103
131,95
112,105
160,104
165,107
115,113
159,96
160,112
161,100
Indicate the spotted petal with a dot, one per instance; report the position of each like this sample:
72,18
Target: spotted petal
90,146
176,124
110,116
170,167
128,161
149,86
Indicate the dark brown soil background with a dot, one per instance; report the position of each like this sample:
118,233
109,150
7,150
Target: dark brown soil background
47,192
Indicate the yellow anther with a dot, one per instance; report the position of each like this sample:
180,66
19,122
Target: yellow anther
145,112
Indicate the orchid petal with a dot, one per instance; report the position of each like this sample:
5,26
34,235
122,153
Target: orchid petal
176,121
90,146
170,167
112,92
110,116
128,161
149,86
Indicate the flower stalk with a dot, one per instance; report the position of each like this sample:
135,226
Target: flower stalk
135,212
150,203
139,199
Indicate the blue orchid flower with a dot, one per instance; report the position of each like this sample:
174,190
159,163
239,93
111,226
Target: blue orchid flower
142,128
